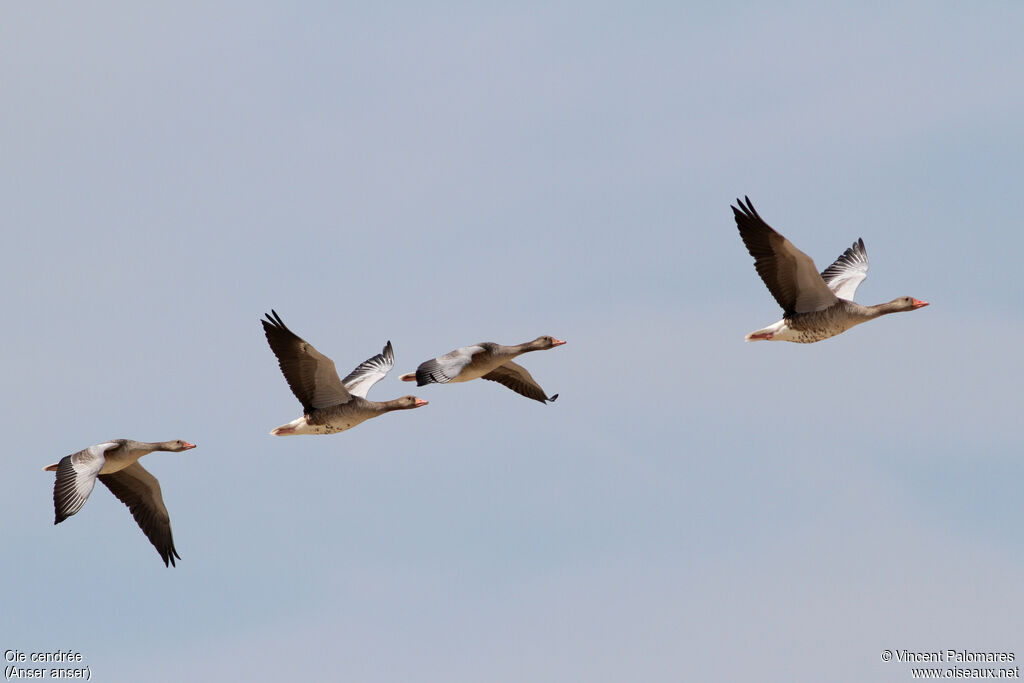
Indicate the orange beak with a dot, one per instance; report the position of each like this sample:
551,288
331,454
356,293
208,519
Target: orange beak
420,402
189,445
557,342
920,304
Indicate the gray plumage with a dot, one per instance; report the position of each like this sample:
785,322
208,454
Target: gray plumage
115,464
329,404
489,361
815,306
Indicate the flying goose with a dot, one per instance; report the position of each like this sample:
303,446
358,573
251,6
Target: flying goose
115,463
489,361
329,404
815,307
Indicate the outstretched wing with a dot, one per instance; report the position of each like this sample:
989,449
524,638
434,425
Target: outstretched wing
310,374
76,477
444,369
140,491
849,270
519,380
789,273
370,371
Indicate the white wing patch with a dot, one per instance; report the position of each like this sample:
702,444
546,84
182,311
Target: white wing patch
370,371
76,477
848,271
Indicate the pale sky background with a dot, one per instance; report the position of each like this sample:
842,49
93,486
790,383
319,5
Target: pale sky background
693,508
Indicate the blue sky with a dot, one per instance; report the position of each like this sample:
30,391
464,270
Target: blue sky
692,508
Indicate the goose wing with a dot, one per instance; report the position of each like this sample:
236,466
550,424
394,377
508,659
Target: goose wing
310,374
848,271
444,369
370,371
519,380
76,477
789,273
140,491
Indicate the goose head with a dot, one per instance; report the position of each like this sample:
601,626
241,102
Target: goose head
546,342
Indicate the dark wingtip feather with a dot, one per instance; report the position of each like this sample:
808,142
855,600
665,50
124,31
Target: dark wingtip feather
744,210
169,555
273,320
58,516
552,399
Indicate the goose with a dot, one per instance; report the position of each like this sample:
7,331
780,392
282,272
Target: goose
815,307
329,404
116,464
489,361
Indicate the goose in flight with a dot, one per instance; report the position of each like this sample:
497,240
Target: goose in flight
814,306
489,361
116,464
329,404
